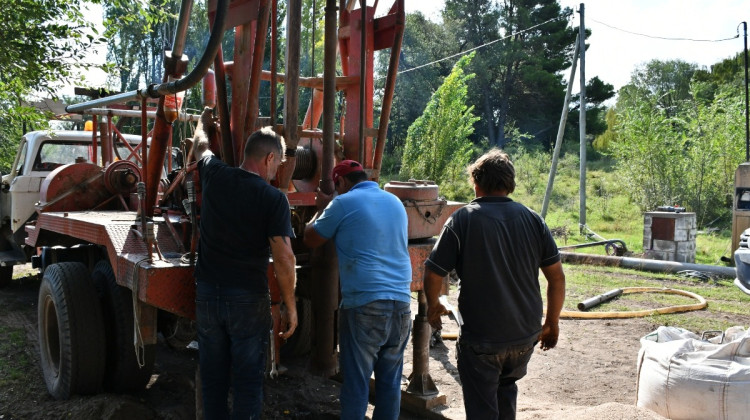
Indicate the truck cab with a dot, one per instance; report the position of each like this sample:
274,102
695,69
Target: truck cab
39,154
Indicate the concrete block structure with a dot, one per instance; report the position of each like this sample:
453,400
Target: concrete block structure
669,236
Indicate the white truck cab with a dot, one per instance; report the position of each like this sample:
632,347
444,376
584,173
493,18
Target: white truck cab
39,153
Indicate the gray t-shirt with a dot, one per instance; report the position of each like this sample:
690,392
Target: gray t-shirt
497,247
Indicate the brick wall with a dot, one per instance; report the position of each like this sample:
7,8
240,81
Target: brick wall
669,236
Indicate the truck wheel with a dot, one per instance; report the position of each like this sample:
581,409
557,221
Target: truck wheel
71,334
123,372
6,275
300,343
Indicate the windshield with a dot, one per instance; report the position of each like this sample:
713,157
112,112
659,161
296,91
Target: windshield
54,154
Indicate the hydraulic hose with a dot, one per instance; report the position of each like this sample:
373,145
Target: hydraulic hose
156,91
701,304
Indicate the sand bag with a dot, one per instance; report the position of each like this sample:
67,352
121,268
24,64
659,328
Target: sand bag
681,376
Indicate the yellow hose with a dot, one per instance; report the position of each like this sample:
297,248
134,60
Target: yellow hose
646,312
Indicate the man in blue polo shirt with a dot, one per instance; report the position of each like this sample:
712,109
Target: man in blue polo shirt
369,228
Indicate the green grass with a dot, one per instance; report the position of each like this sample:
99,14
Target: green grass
727,305
610,212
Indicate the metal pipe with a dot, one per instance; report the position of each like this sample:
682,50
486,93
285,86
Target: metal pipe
324,259
290,128
144,142
178,46
617,243
582,123
390,85
561,130
222,105
642,264
94,132
156,91
421,383
259,49
597,300
291,87
134,113
329,96
362,79
342,82
274,35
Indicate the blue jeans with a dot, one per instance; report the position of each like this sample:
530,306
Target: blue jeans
233,332
372,338
488,378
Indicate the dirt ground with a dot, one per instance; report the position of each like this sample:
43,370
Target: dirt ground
591,374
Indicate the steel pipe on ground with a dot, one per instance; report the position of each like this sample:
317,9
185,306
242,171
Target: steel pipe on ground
647,265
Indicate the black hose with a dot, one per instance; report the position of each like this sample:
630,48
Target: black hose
200,70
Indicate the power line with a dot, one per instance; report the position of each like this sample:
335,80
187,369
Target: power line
664,37
478,47
556,18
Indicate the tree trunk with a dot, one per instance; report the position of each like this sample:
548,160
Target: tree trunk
490,119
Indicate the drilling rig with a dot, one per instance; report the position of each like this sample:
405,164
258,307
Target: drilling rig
118,268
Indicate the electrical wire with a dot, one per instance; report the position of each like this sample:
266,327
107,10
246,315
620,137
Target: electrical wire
664,37
559,17
479,46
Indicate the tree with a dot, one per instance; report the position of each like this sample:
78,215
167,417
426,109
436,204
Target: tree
424,42
518,84
45,45
677,149
139,33
437,144
667,81
597,93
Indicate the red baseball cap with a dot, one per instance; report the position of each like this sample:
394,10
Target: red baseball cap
345,167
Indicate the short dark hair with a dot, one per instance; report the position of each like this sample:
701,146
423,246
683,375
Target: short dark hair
355,177
493,171
263,142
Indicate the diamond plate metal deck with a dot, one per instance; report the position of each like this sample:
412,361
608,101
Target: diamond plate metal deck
165,283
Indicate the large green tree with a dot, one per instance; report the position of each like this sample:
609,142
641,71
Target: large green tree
139,32
437,145
46,45
518,83
674,145
424,42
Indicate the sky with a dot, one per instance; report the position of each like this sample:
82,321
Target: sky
614,48
615,51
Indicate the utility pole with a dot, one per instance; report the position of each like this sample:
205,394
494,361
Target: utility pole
560,131
582,121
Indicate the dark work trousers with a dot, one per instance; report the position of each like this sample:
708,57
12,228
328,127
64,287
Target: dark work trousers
233,332
488,378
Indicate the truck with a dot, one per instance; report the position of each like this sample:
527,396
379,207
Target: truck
39,155
115,237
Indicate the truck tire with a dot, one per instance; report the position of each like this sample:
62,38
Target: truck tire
123,373
300,343
71,333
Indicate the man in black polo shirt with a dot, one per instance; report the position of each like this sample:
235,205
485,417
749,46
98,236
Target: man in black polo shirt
243,221
497,247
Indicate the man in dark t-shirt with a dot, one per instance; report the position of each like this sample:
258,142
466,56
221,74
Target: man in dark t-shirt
244,220
497,247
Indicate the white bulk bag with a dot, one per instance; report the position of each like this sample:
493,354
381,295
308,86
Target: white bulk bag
682,377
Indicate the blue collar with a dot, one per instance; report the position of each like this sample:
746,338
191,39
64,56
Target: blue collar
364,184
